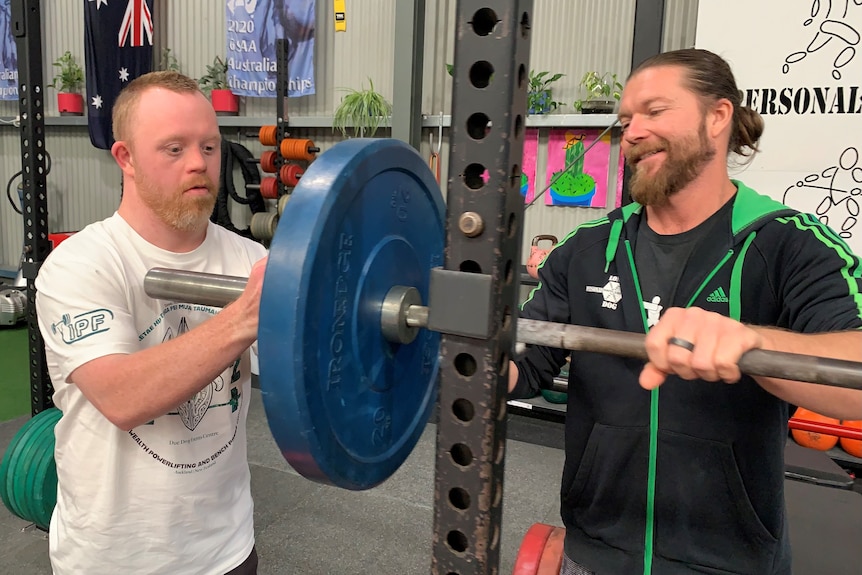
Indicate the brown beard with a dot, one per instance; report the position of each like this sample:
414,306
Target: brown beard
176,210
683,163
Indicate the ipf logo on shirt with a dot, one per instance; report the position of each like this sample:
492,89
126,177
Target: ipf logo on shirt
82,325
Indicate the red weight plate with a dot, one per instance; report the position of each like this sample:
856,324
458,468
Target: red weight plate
531,550
552,556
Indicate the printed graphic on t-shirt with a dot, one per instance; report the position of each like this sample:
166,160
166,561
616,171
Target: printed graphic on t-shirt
83,325
194,435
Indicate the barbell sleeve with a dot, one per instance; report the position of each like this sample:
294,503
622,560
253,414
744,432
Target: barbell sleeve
217,290
193,287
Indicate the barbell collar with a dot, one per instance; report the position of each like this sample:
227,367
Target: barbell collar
400,319
393,314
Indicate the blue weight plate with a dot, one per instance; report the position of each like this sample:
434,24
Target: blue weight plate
345,406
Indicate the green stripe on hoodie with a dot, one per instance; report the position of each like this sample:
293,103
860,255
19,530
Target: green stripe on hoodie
852,271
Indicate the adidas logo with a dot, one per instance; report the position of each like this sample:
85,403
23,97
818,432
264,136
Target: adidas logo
718,296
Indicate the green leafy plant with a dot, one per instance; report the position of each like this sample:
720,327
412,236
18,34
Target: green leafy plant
70,77
168,61
363,110
539,88
216,76
598,87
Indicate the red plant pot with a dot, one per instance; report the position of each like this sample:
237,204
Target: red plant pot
70,104
225,102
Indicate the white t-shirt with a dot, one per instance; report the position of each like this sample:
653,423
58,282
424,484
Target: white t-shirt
171,496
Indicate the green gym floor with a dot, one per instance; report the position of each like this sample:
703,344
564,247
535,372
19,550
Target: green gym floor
14,373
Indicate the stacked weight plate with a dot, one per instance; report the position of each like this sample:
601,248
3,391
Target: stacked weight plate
28,474
541,551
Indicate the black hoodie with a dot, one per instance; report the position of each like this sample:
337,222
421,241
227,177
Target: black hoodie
714,452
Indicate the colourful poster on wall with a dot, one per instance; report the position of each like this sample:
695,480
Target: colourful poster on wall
585,183
528,165
253,28
8,55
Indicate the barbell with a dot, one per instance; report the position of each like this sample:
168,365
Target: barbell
348,375
401,316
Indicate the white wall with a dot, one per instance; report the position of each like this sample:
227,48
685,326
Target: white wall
811,155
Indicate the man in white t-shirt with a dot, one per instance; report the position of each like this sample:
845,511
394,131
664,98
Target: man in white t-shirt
151,448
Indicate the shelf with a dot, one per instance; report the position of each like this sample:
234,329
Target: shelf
539,121
538,404
65,120
839,455
49,121
428,121
293,122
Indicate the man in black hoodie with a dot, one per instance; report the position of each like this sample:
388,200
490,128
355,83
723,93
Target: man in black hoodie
669,470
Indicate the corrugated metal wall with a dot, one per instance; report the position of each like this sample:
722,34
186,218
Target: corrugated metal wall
569,37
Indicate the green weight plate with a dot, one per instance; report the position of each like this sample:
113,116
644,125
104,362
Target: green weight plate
36,478
22,459
46,491
42,459
17,505
554,396
30,458
49,496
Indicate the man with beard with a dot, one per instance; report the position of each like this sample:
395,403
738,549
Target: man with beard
151,447
670,470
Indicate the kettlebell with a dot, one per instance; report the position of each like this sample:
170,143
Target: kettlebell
537,254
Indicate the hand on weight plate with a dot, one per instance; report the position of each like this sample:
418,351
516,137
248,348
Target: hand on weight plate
249,301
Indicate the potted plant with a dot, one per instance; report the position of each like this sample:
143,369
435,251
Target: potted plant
539,100
600,92
361,109
169,62
225,102
69,82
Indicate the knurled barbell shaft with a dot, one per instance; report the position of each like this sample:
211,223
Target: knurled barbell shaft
219,290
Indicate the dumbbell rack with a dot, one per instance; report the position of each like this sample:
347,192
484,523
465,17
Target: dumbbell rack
286,174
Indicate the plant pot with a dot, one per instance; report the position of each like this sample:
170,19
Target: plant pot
70,104
225,102
573,190
598,107
539,102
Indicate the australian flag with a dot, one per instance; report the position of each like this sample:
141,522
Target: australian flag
118,41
